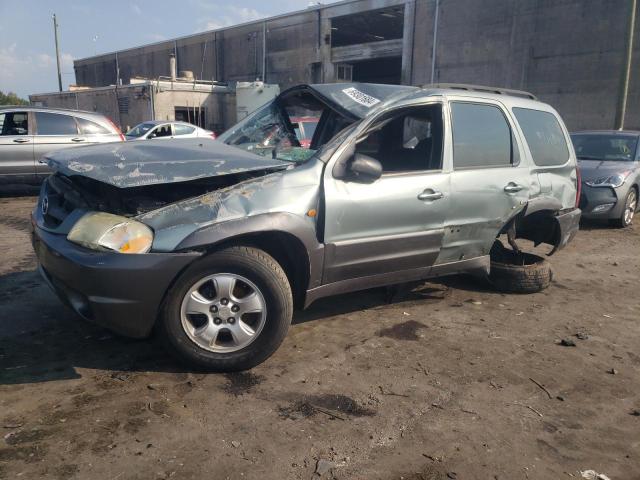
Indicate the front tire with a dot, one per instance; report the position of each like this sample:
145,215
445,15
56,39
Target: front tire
630,207
229,311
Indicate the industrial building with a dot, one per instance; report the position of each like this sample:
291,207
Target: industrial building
570,53
142,99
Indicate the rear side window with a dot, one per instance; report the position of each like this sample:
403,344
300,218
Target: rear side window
55,124
481,136
545,137
14,123
87,127
183,129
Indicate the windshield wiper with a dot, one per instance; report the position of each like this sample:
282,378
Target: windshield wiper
588,157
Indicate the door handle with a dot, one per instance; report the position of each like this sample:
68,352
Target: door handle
429,194
513,188
77,139
20,140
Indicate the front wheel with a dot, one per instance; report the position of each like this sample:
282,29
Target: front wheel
229,311
630,207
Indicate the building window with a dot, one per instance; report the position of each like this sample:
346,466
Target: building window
366,27
344,72
195,116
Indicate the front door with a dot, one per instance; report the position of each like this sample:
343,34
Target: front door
395,223
490,184
16,146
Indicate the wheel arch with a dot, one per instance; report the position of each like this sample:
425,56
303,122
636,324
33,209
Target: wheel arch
289,239
537,222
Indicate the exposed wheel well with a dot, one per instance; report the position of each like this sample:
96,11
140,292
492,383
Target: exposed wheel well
539,227
286,249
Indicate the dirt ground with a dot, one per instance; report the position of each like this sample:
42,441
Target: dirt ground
448,381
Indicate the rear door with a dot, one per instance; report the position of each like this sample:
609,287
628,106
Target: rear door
489,183
94,132
54,131
16,145
180,130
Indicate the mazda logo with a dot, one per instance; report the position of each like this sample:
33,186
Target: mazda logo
45,205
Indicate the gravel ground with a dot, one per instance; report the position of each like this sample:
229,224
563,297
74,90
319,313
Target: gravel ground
448,380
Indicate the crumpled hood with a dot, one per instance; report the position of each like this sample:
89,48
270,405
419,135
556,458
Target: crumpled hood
593,169
135,164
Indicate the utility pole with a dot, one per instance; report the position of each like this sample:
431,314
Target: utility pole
55,33
434,47
624,90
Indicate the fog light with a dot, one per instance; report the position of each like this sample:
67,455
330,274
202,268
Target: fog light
603,208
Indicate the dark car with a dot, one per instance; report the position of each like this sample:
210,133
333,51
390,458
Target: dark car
609,163
214,243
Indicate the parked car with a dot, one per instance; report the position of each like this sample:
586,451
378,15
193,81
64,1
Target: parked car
27,133
157,129
609,163
214,244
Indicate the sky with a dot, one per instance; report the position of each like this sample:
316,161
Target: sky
86,28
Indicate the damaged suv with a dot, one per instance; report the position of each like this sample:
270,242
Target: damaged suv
213,244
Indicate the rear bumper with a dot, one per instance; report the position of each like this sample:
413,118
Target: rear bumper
568,224
120,292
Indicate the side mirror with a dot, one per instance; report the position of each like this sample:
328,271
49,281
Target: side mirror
365,169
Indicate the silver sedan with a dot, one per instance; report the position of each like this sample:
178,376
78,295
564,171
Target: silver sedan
158,129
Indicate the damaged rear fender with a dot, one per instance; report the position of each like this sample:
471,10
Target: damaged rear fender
544,221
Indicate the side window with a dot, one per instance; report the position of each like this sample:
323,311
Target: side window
181,129
14,123
481,136
544,136
87,127
161,131
406,141
55,124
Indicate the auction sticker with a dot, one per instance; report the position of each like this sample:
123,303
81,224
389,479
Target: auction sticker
360,97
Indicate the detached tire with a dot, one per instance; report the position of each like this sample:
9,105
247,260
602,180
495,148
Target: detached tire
227,312
522,272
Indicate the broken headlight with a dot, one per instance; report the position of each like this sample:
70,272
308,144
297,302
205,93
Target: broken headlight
104,231
614,181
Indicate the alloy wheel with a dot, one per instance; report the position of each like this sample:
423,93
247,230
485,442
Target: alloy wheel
630,207
223,312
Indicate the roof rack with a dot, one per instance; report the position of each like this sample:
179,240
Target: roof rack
483,88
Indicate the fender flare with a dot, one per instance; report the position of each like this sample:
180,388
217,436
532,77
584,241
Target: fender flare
281,222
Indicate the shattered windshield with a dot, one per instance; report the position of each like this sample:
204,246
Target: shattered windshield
268,132
605,147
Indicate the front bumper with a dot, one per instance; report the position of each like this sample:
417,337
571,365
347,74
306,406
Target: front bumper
122,292
593,197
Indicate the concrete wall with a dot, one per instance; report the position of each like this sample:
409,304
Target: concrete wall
568,52
135,103
105,101
220,108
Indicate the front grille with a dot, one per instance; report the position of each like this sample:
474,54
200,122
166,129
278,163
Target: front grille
61,199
